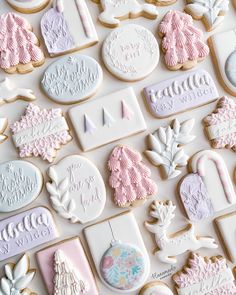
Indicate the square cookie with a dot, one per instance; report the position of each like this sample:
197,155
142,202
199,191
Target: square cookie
69,253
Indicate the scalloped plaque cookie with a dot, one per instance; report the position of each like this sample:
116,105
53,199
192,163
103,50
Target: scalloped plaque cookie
180,94
68,27
76,188
20,184
107,119
40,132
204,275
220,126
116,10
131,52
28,6
25,231
72,79
76,277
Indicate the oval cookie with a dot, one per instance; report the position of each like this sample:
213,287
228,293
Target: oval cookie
131,52
20,184
155,288
28,6
77,191
72,79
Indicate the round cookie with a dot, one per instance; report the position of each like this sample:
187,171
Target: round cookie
130,53
28,6
155,288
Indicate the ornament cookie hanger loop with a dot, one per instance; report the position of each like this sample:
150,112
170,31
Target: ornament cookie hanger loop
114,241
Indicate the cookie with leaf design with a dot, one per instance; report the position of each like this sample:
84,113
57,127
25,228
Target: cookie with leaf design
165,146
76,188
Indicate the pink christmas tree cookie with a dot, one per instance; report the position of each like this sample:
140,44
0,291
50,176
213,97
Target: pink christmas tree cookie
205,276
221,125
40,132
19,51
181,41
130,177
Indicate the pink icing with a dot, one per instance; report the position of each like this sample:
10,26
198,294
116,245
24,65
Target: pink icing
18,45
182,41
44,146
130,177
75,253
226,111
200,269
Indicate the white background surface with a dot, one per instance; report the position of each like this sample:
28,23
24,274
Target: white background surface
166,189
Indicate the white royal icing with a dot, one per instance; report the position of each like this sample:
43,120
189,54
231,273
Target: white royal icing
20,184
114,10
225,57
131,52
9,92
72,79
95,128
77,191
28,4
176,244
155,288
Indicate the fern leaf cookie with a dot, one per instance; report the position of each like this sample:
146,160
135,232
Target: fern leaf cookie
212,12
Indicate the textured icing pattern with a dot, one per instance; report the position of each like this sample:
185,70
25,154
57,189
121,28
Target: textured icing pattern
181,93
181,41
131,52
130,177
211,275
195,198
175,244
165,146
40,132
221,125
72,78
18,44
123,266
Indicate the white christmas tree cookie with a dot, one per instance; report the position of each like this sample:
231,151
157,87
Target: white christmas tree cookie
76,188
165,146
212,12
28,6
116,10
17,278
175,244
20,51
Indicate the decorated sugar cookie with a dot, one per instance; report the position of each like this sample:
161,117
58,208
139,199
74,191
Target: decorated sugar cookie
182,43
165,147
28,6
9,92
3,126
17,277
25,231
220,126
66,270
155,288
20,51
204,275
40,132
72,79
131,52
76,188
130,177
210,11
116,10
20,184
68,27
161,2
181,93
175,244
120,257
200,197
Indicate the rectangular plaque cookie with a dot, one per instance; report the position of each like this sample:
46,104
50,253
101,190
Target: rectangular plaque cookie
107,119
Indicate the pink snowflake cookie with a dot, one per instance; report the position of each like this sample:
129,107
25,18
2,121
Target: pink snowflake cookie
205,276
40,132
221,125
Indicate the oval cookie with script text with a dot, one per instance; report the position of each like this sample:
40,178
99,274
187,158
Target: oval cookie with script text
20,184
180,94
77,191
72,79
